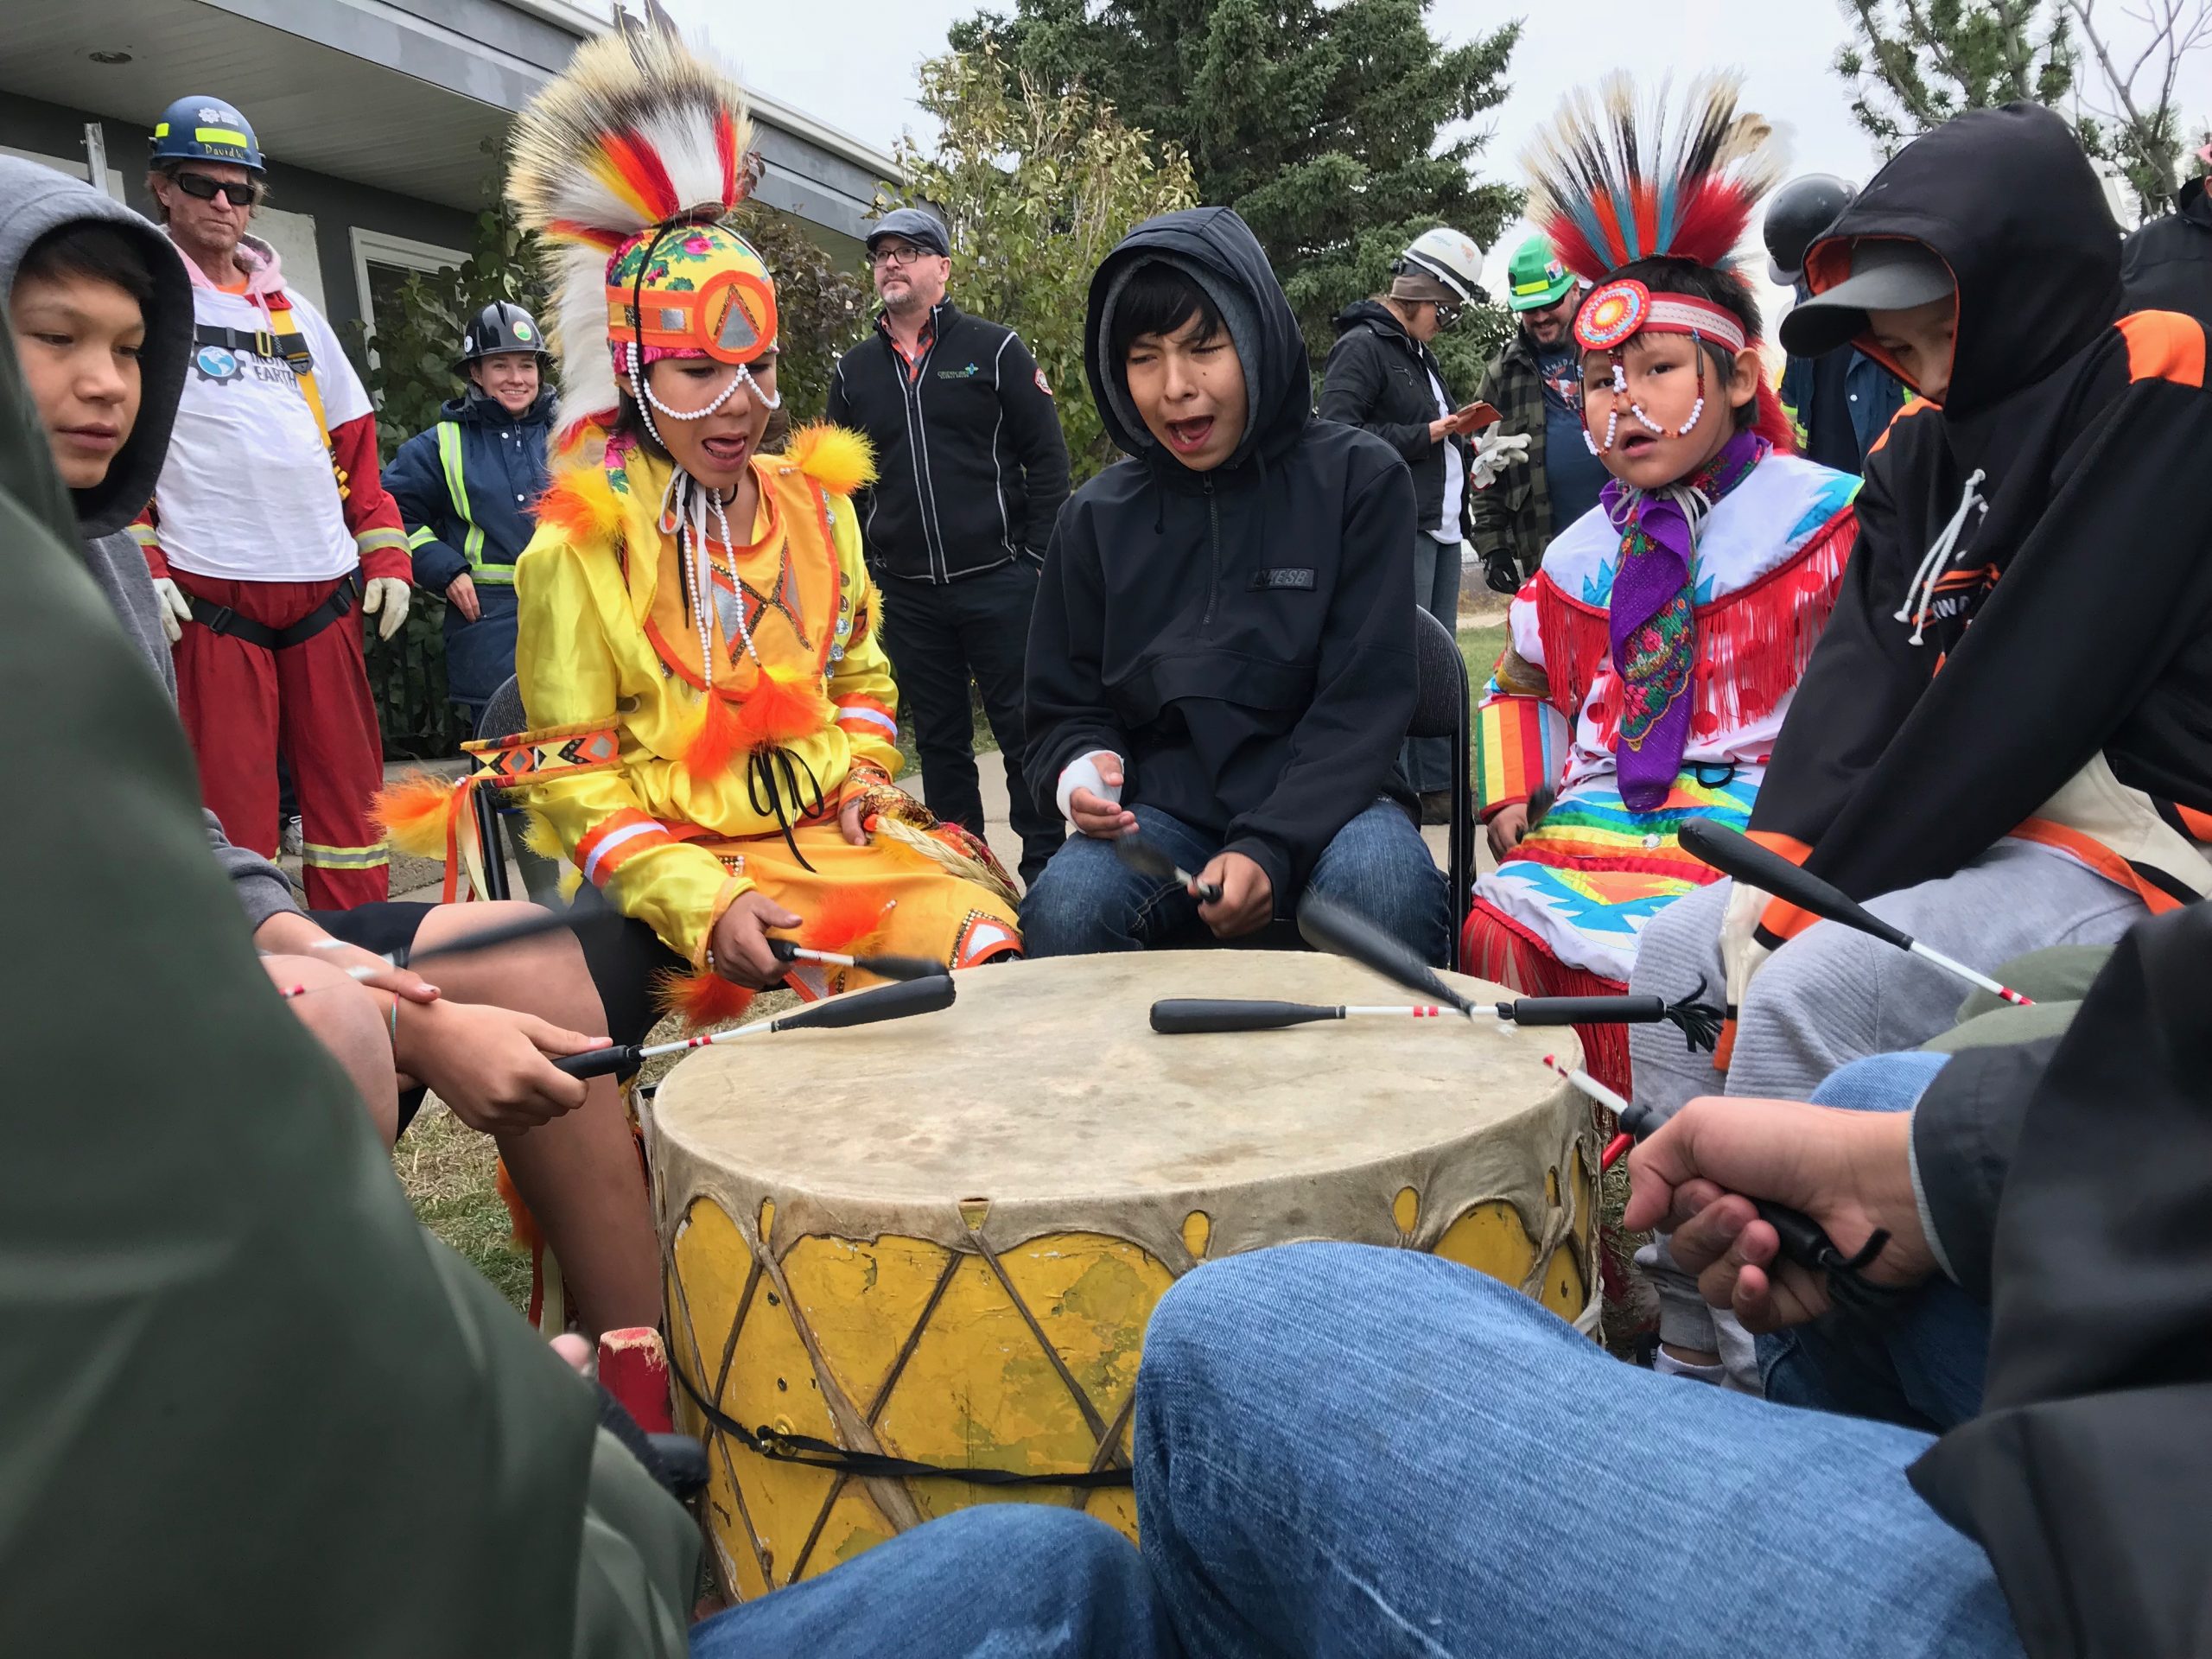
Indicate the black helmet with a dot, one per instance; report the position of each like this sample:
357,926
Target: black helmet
502,325
1795,216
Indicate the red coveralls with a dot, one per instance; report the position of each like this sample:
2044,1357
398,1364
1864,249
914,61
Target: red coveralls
241,699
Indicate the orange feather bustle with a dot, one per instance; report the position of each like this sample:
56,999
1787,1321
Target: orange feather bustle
845,921
701,1000
413,809
781,706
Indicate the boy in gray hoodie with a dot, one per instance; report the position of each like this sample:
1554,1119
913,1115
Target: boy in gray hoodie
101,312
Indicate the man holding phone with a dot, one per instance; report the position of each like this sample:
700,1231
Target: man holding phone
1381,376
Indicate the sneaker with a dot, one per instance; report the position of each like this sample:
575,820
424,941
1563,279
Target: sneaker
294,838
1436,806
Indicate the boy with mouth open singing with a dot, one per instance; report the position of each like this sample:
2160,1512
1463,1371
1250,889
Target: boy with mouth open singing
1222,656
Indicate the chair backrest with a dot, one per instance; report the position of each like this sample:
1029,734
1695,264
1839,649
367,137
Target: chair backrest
1440,705
503,714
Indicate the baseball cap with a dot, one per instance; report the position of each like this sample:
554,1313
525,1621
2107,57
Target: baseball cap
1886,275
916,224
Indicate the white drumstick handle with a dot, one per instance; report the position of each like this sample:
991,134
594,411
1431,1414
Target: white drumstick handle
1973,976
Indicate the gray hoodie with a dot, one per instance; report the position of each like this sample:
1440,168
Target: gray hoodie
34,201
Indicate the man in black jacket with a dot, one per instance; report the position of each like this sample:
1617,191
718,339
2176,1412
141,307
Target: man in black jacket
1382,378
2061,1183
1222,654
971,470
2167,265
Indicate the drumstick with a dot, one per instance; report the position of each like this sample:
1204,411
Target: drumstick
899,967
1182,1015
1734,853
1146,858
897,1000
1327,925
1803,1240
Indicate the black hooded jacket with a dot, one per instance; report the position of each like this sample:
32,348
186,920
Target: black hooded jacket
1377,378
2167,265
2068,1183
2075,617
1243,638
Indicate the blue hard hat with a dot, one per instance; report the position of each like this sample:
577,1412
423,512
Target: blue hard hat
206,129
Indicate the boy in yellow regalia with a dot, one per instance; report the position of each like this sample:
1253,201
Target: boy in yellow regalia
697,633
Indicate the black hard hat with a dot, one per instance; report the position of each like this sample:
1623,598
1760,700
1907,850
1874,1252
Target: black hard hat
1795,216
502,325
916,224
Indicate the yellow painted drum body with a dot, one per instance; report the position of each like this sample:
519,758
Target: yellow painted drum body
941,1239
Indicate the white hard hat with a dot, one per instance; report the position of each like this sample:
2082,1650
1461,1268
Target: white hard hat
1453,259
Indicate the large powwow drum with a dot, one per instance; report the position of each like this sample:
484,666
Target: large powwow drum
940,1240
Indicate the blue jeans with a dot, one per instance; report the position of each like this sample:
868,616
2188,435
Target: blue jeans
997,1581
1087,901
1347,1451
1925,1369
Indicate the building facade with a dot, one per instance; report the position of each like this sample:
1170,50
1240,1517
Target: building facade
382,120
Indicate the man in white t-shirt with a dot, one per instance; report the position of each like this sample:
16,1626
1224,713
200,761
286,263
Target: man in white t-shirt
268,505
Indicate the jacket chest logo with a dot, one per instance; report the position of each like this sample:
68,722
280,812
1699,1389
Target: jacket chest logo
1282,576
968,373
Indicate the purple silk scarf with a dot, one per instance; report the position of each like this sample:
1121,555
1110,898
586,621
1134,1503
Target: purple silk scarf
1652,619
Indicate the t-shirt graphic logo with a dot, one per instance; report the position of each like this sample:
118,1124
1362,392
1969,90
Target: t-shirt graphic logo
217,363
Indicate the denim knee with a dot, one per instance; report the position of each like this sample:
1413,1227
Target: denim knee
1378,865
1880,1083
1080,903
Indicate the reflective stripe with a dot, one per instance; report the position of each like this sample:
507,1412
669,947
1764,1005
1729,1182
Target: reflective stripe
222,135
421,537
145,536
618,838
345,858
874,716
471,547
1536,287
369,541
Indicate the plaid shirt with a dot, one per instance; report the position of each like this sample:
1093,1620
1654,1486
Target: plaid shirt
1516,512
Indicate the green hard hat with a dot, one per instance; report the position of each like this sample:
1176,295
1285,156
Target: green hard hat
1533,278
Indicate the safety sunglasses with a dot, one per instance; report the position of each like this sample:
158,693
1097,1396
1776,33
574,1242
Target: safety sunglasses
202,188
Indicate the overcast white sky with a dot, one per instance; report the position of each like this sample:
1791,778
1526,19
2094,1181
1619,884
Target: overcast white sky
859,73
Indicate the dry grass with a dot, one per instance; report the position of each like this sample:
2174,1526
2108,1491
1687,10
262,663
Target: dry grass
448,1171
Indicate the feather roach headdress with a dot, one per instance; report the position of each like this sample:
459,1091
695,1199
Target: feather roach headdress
1612,186
626,165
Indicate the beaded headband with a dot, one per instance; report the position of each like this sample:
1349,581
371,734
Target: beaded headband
1620,309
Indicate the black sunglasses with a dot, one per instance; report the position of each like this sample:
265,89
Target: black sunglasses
200,186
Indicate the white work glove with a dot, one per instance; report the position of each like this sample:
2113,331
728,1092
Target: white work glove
176,609
386,599
1741,955
1493,454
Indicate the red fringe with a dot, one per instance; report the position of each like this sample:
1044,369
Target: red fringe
1752,644
703,999
1493,946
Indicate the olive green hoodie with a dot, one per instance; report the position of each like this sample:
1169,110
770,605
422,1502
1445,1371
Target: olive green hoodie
247,1404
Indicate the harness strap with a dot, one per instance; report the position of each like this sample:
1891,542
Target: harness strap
293,348
221,618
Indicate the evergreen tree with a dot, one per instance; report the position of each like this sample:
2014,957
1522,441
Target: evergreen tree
1319,122
1917,63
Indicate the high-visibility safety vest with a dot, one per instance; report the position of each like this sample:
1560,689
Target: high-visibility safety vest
472,543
